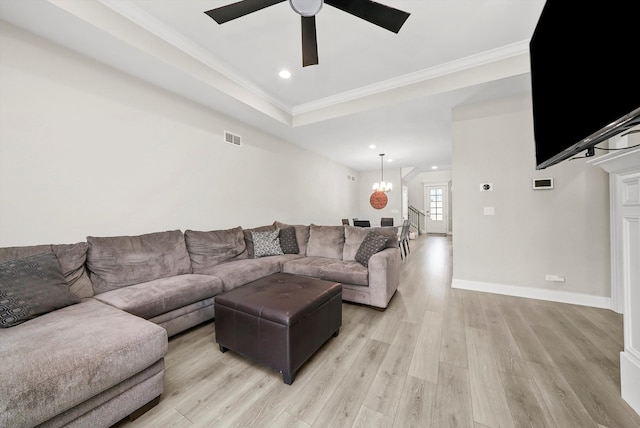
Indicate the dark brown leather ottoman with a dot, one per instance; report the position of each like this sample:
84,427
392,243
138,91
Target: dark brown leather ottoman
280,320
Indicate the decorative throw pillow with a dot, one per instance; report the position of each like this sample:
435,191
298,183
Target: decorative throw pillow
302,234
288,241
372,243
30,287
248,237
266,244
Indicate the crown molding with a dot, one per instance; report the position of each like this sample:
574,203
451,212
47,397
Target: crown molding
462,64
315,110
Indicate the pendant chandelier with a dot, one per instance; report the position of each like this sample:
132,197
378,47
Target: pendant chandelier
382,186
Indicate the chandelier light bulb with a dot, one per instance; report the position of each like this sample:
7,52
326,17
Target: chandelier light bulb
382,186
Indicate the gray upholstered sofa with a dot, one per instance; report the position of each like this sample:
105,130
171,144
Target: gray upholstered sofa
100,357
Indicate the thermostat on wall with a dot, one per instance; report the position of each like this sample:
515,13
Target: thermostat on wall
542,183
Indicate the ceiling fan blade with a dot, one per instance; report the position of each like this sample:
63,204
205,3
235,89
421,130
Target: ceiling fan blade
236,10
309,41
376,13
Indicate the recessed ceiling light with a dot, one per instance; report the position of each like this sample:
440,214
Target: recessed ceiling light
434,167
285,74
372,146
389,160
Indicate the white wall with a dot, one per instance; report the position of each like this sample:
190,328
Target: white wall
564,231
394,205
416,191
87,150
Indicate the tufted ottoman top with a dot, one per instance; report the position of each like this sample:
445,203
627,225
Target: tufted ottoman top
282,298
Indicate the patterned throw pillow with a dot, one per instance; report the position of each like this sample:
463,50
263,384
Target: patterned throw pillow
266,244
372,243
30,287
288,241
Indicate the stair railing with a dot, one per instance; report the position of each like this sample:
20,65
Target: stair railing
416,218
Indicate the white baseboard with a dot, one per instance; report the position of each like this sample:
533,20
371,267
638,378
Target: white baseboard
534,293
630,379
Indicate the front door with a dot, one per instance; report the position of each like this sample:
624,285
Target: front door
436,208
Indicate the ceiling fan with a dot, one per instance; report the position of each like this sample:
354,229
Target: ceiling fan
376,13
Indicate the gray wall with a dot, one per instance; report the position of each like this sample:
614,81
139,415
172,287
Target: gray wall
564,231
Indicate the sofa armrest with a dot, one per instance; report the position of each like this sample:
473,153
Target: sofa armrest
384,276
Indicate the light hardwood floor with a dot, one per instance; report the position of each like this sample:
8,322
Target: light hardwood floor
437,357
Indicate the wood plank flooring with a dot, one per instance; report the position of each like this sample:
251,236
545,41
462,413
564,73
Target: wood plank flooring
437,357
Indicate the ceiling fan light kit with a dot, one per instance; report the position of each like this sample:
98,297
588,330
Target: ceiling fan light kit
306,7
378,14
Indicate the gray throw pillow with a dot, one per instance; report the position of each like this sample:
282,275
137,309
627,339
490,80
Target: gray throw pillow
30,287
302,234
266,244
372,243
288,241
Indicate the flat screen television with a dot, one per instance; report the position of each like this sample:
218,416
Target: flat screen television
585,84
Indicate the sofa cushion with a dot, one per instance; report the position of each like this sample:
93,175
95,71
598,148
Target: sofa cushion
326,241
208,249
353,237
72,259
389,232
30,287
266,243
302,234
288,240
372,244
56,361
8,254
243,271
350,272
153,298
119,261
306,266
248,237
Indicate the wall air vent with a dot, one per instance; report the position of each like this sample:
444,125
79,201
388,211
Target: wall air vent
231,138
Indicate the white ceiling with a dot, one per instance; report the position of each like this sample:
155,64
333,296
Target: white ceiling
371,86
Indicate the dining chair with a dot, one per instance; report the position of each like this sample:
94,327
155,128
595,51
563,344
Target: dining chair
403,240
345,221
386,221
362,223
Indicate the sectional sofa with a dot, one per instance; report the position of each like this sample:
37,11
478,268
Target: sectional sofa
85,344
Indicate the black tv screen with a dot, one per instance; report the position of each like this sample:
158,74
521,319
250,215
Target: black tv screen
585,84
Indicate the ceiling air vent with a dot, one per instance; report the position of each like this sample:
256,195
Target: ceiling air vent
231,138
